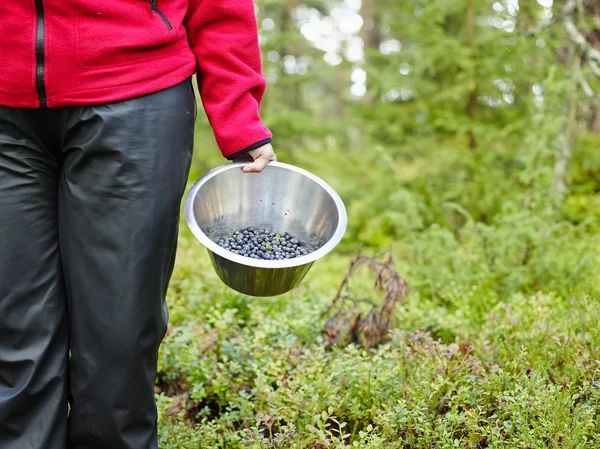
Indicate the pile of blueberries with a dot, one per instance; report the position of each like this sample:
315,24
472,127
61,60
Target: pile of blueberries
264,244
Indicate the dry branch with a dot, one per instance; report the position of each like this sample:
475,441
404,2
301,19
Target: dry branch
346,322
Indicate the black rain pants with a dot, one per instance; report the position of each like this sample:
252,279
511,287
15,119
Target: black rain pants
89,213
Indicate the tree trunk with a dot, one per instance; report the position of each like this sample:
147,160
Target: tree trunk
372,41
594,37
294,92
472,99
565,141
526,19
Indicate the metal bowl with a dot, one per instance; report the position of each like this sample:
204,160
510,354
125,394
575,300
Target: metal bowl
283,198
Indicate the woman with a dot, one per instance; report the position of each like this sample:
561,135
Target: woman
96,132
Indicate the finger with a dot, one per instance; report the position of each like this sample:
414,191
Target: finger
257,166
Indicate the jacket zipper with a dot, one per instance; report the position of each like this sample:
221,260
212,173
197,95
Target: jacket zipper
39,53
154,8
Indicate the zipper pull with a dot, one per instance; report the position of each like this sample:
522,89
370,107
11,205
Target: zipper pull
154,8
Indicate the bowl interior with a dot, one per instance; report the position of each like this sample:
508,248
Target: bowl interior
279,198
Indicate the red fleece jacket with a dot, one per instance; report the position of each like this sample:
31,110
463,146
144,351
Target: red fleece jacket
79,52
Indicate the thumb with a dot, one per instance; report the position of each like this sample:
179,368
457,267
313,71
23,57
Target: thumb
261,156
257,166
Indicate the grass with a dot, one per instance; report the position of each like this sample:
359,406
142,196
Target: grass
496,346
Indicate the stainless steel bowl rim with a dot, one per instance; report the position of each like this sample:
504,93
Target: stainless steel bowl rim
259,263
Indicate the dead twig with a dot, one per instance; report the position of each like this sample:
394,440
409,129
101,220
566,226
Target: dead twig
346,322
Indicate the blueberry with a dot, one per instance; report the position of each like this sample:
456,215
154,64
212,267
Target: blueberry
263,243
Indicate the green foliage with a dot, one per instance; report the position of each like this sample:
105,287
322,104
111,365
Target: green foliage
521,372
497,344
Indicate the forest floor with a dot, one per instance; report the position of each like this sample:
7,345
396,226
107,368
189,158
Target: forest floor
496,345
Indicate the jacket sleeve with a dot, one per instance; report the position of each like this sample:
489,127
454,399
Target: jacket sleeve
223,35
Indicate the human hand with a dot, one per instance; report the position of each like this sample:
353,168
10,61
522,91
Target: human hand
260,158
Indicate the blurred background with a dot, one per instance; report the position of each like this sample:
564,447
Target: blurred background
464,138
430,112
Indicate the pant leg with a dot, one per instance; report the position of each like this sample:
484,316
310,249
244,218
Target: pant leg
125,170
33,315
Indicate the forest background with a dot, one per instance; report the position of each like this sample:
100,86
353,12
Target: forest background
464,138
